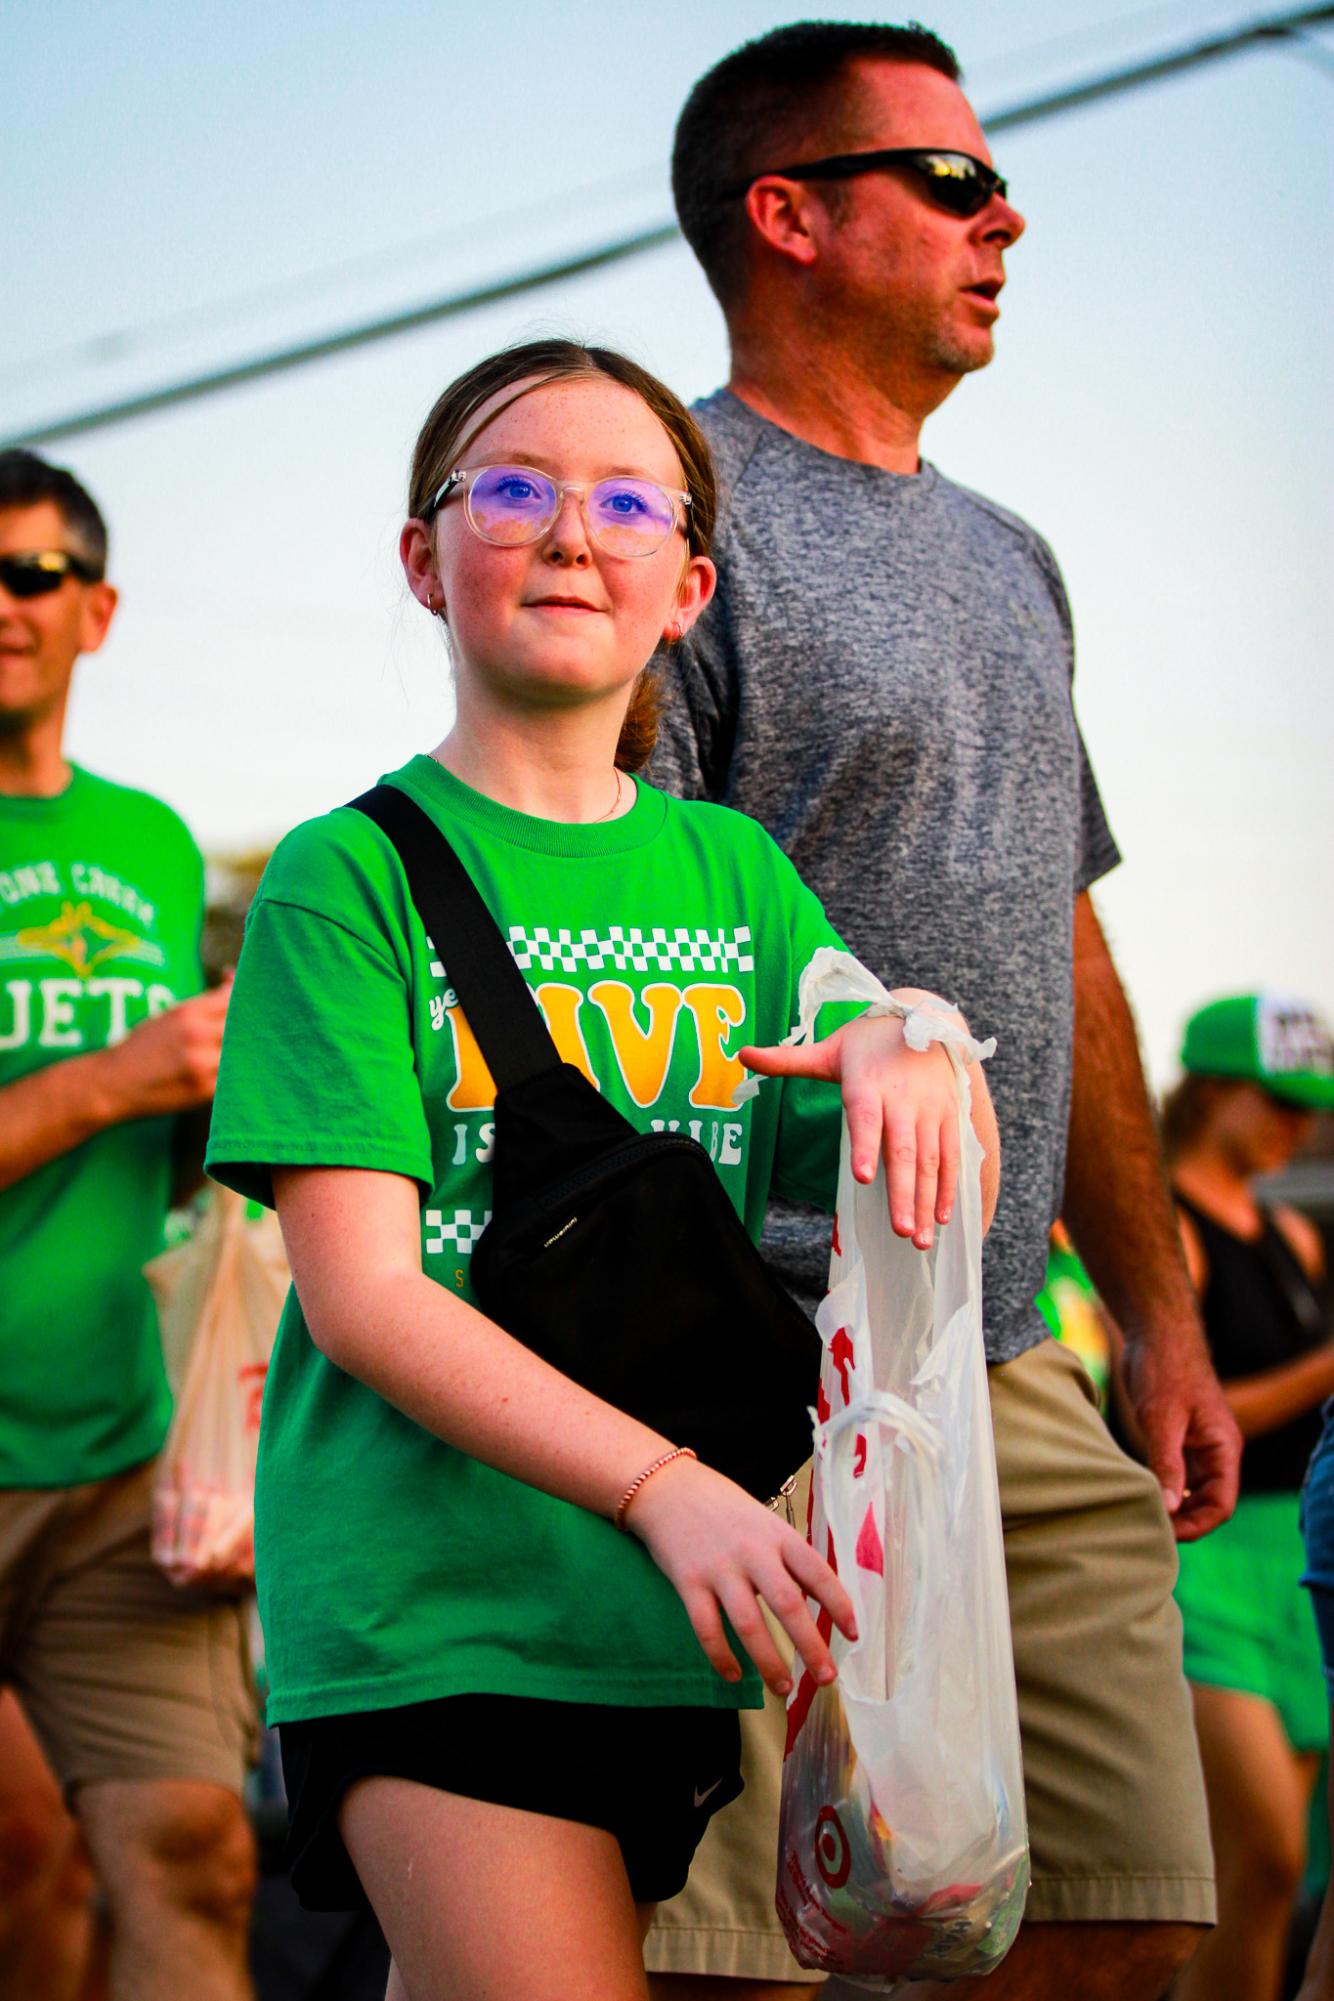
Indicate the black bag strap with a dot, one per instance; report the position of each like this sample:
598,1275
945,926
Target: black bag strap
496,998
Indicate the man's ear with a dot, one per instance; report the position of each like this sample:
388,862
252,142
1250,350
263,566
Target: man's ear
780,211
99,608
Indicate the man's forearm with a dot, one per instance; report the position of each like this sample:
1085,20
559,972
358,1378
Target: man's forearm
51,1111
1120,1215
1116,1204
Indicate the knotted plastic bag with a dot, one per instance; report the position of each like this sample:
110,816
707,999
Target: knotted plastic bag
219,1297
903,1848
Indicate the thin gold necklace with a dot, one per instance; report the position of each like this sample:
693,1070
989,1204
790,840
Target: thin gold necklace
614,804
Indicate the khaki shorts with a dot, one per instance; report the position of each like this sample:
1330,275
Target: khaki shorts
122,1675
1116,1811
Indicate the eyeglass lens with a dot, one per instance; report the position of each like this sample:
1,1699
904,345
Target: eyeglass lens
35,576
956,181
511,505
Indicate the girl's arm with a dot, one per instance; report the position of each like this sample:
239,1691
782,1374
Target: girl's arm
900,1105
353,1239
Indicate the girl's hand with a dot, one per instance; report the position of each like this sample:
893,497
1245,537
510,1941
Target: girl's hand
724,1552
901,1105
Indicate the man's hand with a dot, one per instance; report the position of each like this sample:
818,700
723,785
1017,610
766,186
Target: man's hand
1190,1435
170,1062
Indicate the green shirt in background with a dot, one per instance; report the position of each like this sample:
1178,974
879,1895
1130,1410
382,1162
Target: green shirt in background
101,899
392,1568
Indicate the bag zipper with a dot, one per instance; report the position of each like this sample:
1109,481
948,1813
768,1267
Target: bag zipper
594,1170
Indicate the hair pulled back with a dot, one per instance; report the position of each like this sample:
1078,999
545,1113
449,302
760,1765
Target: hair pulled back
451,427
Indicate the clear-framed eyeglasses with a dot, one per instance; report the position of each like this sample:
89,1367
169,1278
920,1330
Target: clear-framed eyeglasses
512,505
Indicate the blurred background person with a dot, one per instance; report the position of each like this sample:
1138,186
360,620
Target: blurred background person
52,1939
1318,1535
138,1694
1258,1070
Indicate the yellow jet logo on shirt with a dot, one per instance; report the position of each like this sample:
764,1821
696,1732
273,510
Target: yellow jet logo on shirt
86,941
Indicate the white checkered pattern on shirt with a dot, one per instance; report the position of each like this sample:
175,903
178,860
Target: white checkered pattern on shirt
459,1234
631,949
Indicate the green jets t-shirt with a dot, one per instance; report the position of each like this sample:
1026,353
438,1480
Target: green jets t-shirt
393,1568
101,899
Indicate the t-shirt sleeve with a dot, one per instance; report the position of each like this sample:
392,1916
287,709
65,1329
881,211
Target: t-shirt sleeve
317,1060
696,735
1097,853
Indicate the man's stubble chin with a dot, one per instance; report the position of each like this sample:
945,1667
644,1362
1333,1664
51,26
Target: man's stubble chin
954,355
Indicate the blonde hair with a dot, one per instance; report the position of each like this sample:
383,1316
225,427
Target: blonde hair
450,429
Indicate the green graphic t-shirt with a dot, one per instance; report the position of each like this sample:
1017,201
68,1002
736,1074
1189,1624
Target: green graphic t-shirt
392,1568
101,897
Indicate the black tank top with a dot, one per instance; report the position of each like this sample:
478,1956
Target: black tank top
1260,1310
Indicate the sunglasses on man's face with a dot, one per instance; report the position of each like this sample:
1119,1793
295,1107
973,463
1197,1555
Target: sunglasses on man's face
38,573
953,181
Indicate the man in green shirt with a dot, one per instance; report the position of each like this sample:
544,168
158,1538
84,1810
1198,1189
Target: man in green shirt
138,1693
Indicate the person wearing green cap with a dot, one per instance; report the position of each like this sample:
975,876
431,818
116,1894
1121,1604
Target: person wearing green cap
1259,1068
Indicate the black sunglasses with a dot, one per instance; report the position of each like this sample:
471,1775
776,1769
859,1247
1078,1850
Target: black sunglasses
44,571
953,181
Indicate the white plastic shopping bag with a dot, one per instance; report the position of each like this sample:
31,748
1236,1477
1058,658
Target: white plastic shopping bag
219,1298
903,1848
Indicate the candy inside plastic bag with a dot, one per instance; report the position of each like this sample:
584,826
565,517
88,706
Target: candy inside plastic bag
903,1843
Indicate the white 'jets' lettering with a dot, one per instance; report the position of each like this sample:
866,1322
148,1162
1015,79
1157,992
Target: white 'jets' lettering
62,1024
59,1029
20,1003
119,993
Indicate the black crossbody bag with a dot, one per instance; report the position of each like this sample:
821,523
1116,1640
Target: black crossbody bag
613,1254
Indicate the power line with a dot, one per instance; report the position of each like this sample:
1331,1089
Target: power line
1271,29
347,338
1277,28
168,328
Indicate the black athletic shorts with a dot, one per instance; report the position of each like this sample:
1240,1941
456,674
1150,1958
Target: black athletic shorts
652,1777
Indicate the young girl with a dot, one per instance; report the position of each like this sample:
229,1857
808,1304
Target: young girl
505,1721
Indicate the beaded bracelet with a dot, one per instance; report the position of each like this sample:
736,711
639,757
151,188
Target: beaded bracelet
677,1452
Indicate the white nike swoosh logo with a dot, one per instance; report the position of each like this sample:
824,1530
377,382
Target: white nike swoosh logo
700,1797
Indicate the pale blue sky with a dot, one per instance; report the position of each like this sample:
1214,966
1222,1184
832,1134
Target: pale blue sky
228,178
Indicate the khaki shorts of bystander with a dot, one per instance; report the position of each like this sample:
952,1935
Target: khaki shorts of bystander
122,1675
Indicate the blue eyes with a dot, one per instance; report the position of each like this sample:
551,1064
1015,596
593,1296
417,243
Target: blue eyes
513,505
623,501
521,491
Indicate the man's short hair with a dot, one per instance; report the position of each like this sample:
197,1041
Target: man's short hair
756,109
27,480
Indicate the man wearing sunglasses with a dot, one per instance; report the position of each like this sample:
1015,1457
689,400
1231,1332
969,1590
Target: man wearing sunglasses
884,681
137,1693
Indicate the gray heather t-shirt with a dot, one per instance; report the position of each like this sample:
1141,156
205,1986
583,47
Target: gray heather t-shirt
884,681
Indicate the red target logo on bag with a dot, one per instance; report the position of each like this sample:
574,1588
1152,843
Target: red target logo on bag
832,1856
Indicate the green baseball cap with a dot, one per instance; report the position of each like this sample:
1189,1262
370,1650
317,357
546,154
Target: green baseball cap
1269,1039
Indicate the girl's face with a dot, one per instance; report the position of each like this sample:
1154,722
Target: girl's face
558,622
